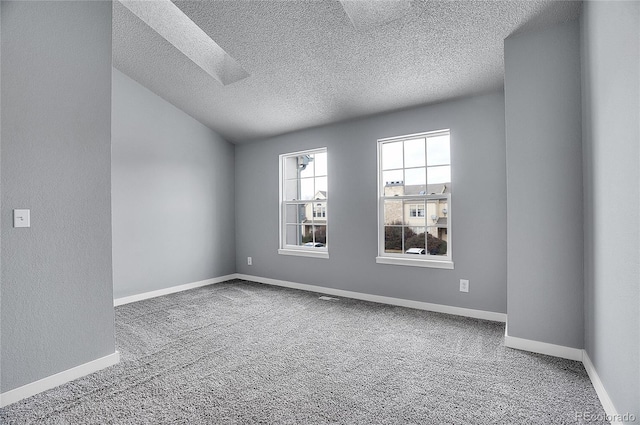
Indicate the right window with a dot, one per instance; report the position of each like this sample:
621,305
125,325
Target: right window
414,200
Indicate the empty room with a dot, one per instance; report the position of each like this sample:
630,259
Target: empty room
319,211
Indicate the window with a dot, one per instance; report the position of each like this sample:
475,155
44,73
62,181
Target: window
320,211
303,203
414,195
416,210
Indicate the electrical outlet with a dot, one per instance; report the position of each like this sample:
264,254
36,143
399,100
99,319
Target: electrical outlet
249,261
464,285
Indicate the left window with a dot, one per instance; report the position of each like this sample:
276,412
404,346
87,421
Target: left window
304,212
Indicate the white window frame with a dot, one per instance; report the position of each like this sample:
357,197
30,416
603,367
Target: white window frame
432,261
297,250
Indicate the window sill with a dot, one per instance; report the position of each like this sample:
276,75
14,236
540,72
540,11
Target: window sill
435,264
304,253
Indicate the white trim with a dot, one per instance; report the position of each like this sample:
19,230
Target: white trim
53,381
304,253
304,152
283,247
170,290
396,261
571,354
382,256
541,347
417,199
606,401
440,308
433,133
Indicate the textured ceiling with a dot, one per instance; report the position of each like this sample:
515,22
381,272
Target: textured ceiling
309,65
173,25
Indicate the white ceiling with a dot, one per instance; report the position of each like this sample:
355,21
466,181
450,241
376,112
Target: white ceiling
310,66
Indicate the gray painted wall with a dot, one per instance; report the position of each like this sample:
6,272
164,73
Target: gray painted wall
0,197
544,186
611,100
57,300
478,206
173,194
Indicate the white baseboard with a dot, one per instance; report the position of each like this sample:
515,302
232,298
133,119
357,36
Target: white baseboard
458,311
171,290
58,379
571,354
606,401
542,347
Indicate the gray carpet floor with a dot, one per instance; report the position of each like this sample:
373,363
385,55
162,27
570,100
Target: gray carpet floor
242,353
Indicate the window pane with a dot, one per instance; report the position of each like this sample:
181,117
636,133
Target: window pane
320,235
414,153
305,165
321,186
314,236
305,212
393,212
291,167
432,209
393,239
438,150
391,155
439,175
436,241
414,240
415,177
320,164
414,213
291,190
294,234
306,189
439,208
393,183
291,214
296,213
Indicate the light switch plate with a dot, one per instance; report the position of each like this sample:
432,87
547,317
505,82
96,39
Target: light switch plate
21,218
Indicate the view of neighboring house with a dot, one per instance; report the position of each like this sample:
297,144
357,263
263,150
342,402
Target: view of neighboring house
315,214
415,216
412,213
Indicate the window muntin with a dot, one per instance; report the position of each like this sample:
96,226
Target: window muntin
414,197
303,203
